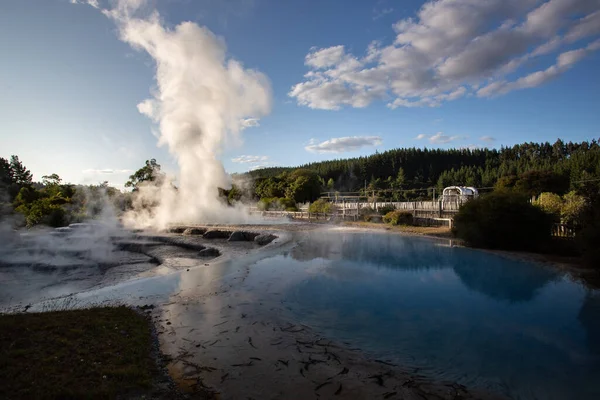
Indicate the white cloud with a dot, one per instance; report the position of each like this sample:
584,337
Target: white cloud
381,13
107,171
93,3
254,162
421,136
259,166
440,138
487,139
452,49
343,144
324,57
564,62
249,123
244,159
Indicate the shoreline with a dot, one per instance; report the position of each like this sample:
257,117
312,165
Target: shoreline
567,264
223,338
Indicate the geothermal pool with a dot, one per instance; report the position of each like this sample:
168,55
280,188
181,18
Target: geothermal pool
452,313
447,313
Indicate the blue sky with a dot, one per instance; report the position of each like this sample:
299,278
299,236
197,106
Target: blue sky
505,74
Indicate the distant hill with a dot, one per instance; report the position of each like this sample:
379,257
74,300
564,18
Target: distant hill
418,169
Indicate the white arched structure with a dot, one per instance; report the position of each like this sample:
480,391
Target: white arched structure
459,193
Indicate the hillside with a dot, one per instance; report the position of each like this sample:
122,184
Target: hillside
414,170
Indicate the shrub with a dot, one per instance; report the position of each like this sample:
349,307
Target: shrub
366,213
265,203
320,206
386,209
550,203
503,220
288,204
398,218
588,238
573,207
276,204
567,209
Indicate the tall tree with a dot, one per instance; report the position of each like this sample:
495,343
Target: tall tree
148,173
20,175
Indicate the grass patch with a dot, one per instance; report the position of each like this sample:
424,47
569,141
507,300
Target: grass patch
437,231
102,352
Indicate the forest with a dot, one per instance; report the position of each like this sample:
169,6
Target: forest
412,173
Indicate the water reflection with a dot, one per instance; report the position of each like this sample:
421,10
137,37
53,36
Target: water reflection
486,321
501,280
389,251
493,276
589,316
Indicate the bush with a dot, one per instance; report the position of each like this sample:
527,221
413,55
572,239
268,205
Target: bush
265,203
276,204
588,238
386,209
503,220
288,204
398,218
567,209
320,206
366,213
551,203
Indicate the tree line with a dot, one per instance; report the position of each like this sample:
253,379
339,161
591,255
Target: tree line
412,173
51,201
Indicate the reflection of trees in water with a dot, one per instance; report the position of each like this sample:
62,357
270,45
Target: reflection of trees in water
589,316
500,278
390,251
494,276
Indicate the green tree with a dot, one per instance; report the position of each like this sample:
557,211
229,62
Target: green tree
572,208
20,175
550,203
304,186
51,180
5,173
321,206
270,187
533,183
13,177
503,220
148,173
45,206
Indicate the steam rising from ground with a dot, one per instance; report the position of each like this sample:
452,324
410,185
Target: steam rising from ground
201,102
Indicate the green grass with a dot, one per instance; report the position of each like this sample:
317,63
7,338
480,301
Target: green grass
103,352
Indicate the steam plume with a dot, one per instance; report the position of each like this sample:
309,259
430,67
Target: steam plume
201,102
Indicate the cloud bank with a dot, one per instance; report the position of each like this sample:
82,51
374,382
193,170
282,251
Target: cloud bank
343,144
453,49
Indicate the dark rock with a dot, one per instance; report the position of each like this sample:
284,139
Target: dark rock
264,239
209,252
194,231
217,234
241,236
177,229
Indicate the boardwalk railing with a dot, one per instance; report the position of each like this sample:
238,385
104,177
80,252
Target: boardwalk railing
433,206
563,231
